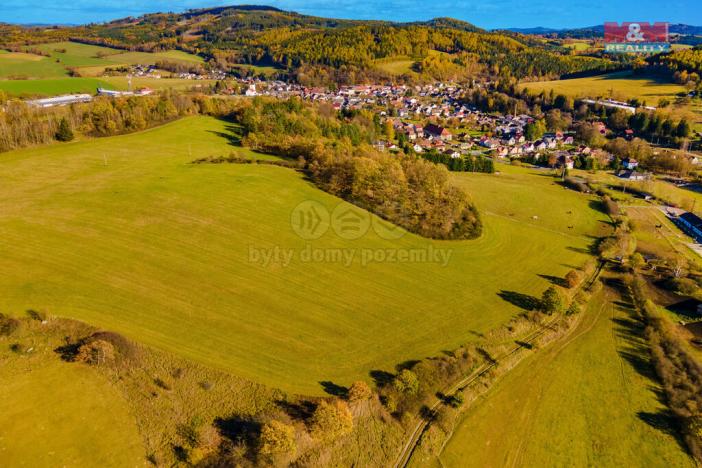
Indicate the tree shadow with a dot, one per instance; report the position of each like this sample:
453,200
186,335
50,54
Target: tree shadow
524,344
409,364
333,389
381,378
69,351
665,422
523,301
301,411
239,429
555,280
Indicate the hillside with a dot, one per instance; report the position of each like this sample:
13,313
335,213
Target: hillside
227,36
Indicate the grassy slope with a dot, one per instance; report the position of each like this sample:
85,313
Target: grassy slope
61,415
29,66
49,75
621,85
590,403
159,250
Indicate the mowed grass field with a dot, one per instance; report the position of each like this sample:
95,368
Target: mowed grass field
590,401
51,87
169,253
54,414
620,85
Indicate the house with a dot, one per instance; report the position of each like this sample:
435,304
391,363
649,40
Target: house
453,154
61,100
417,148
632,175
540,145
437,132
630,163
568,140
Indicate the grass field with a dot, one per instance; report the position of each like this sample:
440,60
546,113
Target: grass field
166,253
591,401
621,85
20,65
53,414
89,60
52,87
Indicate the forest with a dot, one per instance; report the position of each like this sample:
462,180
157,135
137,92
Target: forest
336,152
294,43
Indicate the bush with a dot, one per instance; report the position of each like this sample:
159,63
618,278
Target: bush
406,382
277,438
573,278
8,325
359,391
331,420
96,352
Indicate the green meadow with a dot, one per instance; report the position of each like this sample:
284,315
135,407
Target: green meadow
592,400
124,233
52,87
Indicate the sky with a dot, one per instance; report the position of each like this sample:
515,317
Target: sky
487,14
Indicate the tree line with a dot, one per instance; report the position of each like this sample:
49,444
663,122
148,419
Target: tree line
22,125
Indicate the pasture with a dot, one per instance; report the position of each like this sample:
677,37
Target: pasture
589,401
125,234
620,85
87,60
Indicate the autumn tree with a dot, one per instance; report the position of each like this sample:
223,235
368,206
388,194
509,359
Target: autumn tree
277,438
406,382
96,352
359,391
331,420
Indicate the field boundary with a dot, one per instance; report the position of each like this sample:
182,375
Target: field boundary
423,425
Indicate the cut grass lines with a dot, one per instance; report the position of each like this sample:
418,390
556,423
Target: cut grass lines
162,251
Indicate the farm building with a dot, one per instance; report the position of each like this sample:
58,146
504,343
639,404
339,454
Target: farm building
60,100
691,224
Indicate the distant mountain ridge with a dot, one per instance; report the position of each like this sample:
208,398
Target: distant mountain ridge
594,31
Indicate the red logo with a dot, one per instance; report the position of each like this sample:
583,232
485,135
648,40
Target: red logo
633,33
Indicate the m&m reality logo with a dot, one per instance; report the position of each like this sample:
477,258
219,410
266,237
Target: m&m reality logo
645,38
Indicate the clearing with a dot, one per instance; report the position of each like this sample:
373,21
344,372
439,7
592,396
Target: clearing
125,234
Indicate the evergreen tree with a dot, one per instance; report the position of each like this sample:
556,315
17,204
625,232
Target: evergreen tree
551,301
64,132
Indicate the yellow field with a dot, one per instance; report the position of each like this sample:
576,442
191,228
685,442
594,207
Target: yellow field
621,85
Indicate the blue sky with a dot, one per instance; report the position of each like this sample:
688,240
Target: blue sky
484,13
